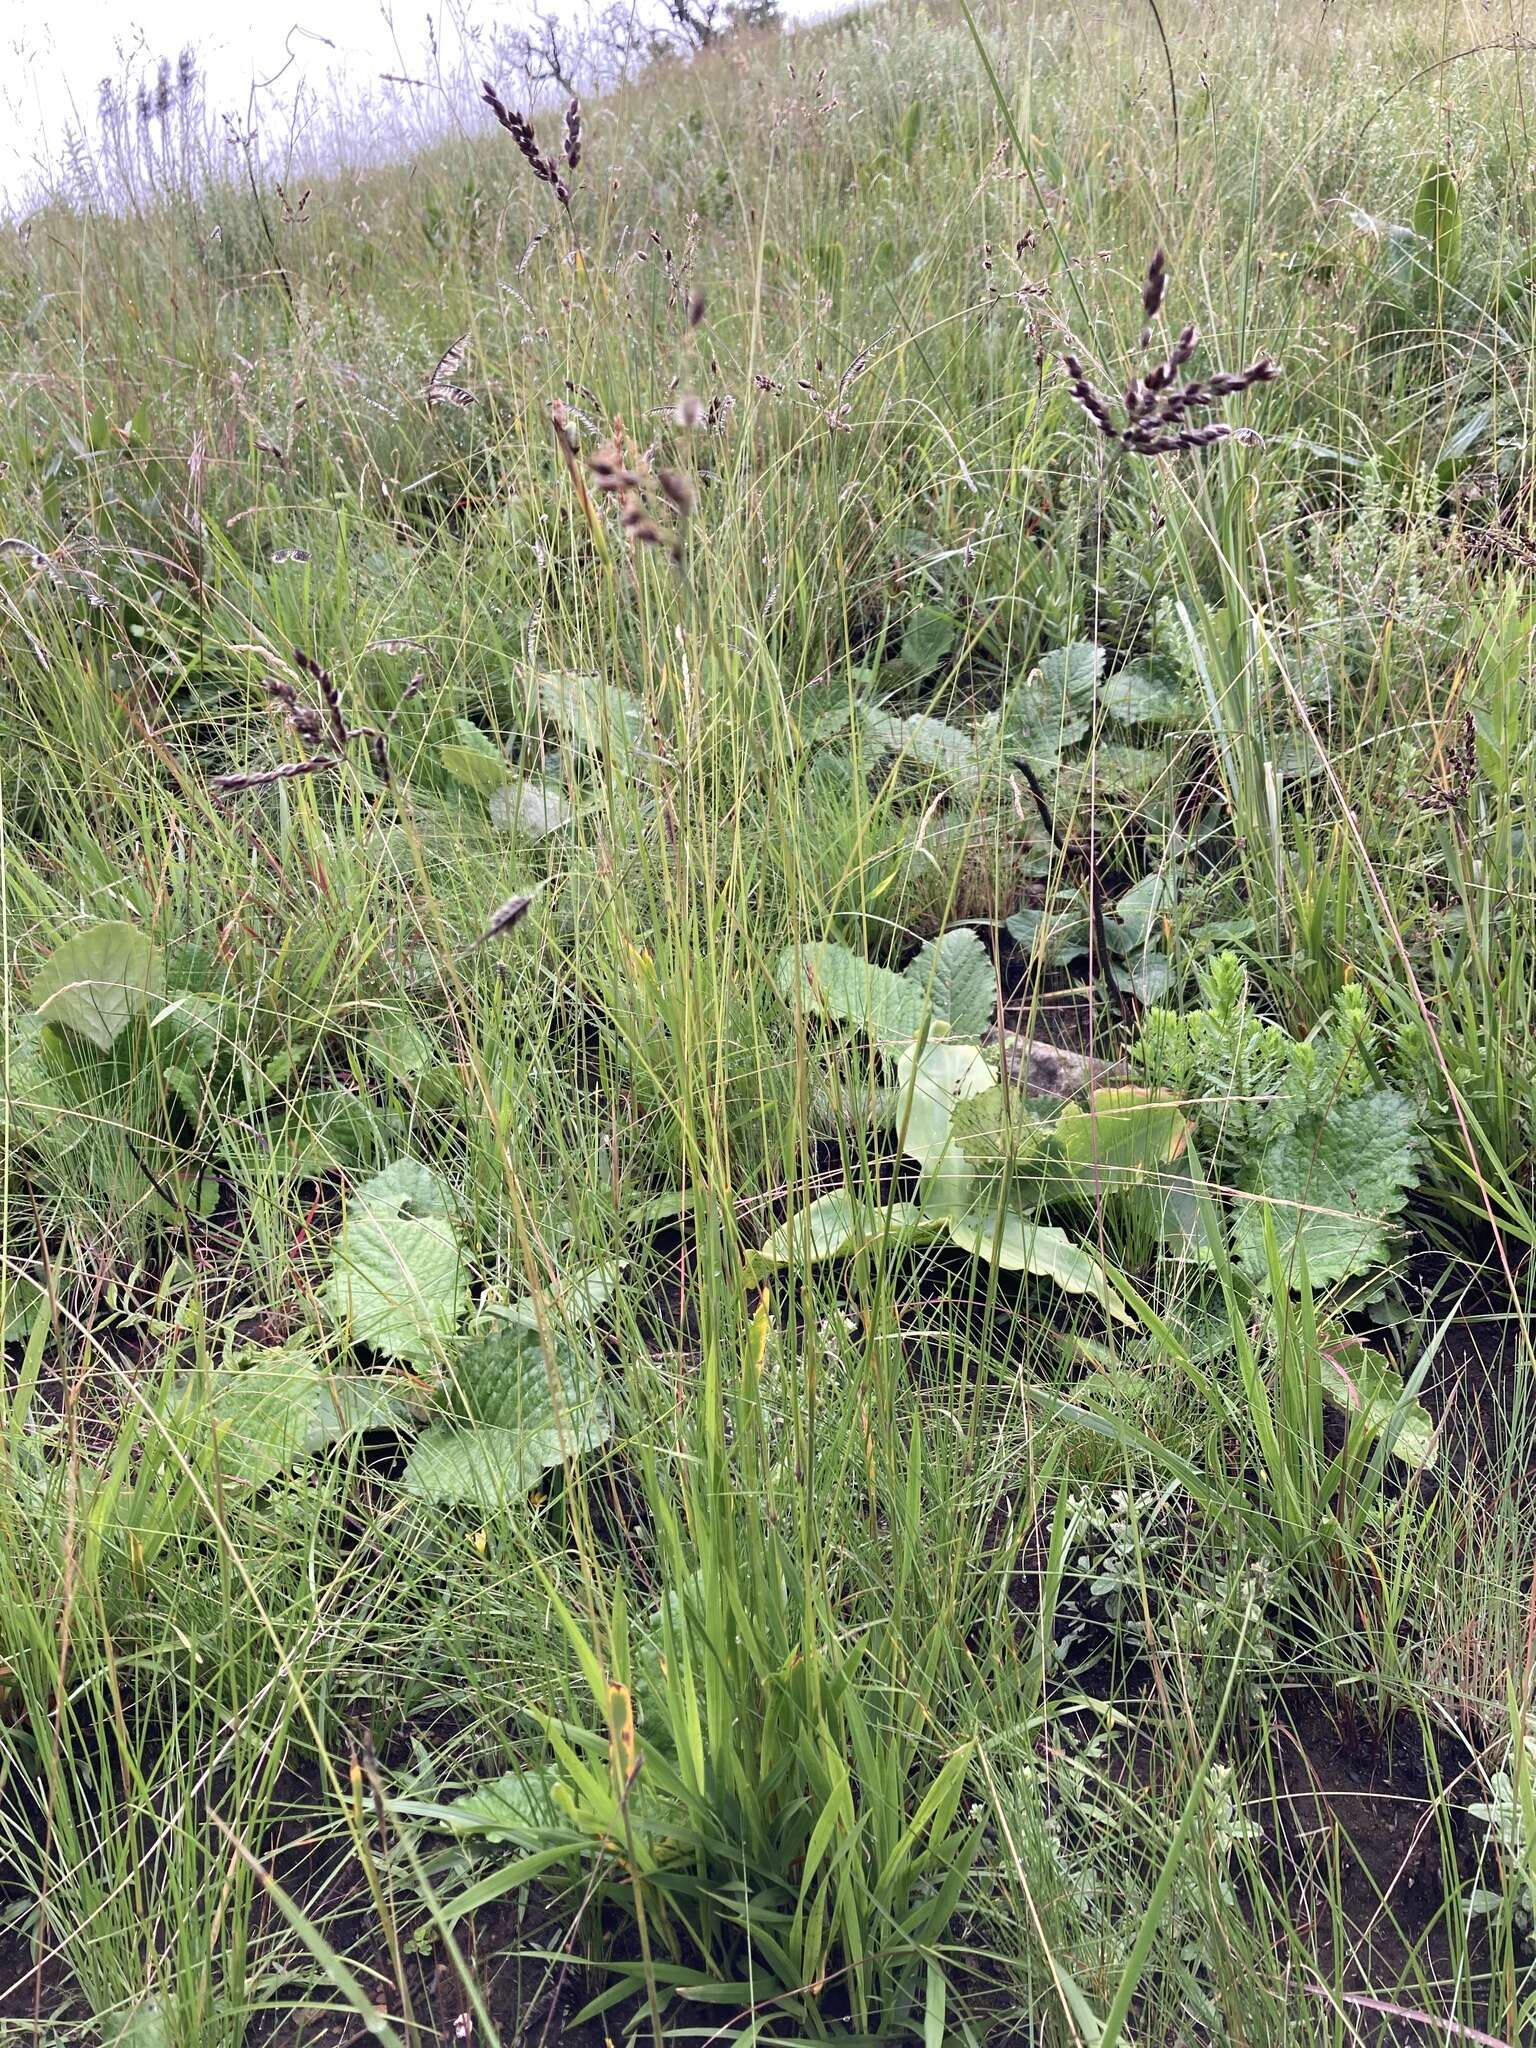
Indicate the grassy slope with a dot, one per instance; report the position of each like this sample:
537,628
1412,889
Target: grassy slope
834,1554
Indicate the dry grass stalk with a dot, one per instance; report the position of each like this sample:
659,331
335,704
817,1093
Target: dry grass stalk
517,125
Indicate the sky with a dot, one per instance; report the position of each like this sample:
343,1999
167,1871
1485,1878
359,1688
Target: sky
53,53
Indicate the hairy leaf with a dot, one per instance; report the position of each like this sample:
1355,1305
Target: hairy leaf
1332,1184
1150,691
519,1410
929,636
530,809
852,990
956,976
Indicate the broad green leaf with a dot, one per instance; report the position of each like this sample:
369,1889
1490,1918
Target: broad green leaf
264,1410
97,982
351,1403
21,1296
932,1080
928,742
508,1381
573,1298
329,1132
1040,718
1151,691
520,1410
473,760
1120,1138
1052,937
1073,671
1169,1208
1368,1387
1437,217
956,975
397,1273
852,990
1019,1244
1148,976
835,1225
518,1808
928,639
1461,448
1139,910
530,809
400,1049
1332,1184
146,2026
601,718
1000,1127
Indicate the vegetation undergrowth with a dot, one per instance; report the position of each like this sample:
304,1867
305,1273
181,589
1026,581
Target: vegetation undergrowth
768,1057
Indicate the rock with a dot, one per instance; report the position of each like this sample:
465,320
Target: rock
1046,1069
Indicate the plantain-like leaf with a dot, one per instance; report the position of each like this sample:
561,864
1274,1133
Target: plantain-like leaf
473,760
851,990
1120,1138
397,1272
837,1225
956,976
518,1808
1369,1388
933,1079
97,982
1021,1244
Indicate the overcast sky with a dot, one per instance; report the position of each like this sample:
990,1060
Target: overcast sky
52,61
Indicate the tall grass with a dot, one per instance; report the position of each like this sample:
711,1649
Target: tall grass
926,1653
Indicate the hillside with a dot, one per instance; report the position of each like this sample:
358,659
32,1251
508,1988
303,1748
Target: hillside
769,1047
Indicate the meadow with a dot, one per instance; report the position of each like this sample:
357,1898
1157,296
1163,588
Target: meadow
770,1017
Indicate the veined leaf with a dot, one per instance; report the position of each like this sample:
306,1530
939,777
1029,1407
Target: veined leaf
473,760
955,974
1332,1184
397,1273
836,1225
97,982
852,990
1120,1137
1150,691
530,809
932,1080
520,1409
929,636
518,1808
1370,1389
1437,217
1020,1244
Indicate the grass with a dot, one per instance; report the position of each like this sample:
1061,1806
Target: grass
482,1557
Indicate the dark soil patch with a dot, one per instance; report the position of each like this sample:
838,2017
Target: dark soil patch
1370,1840
531,2000
33,1988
